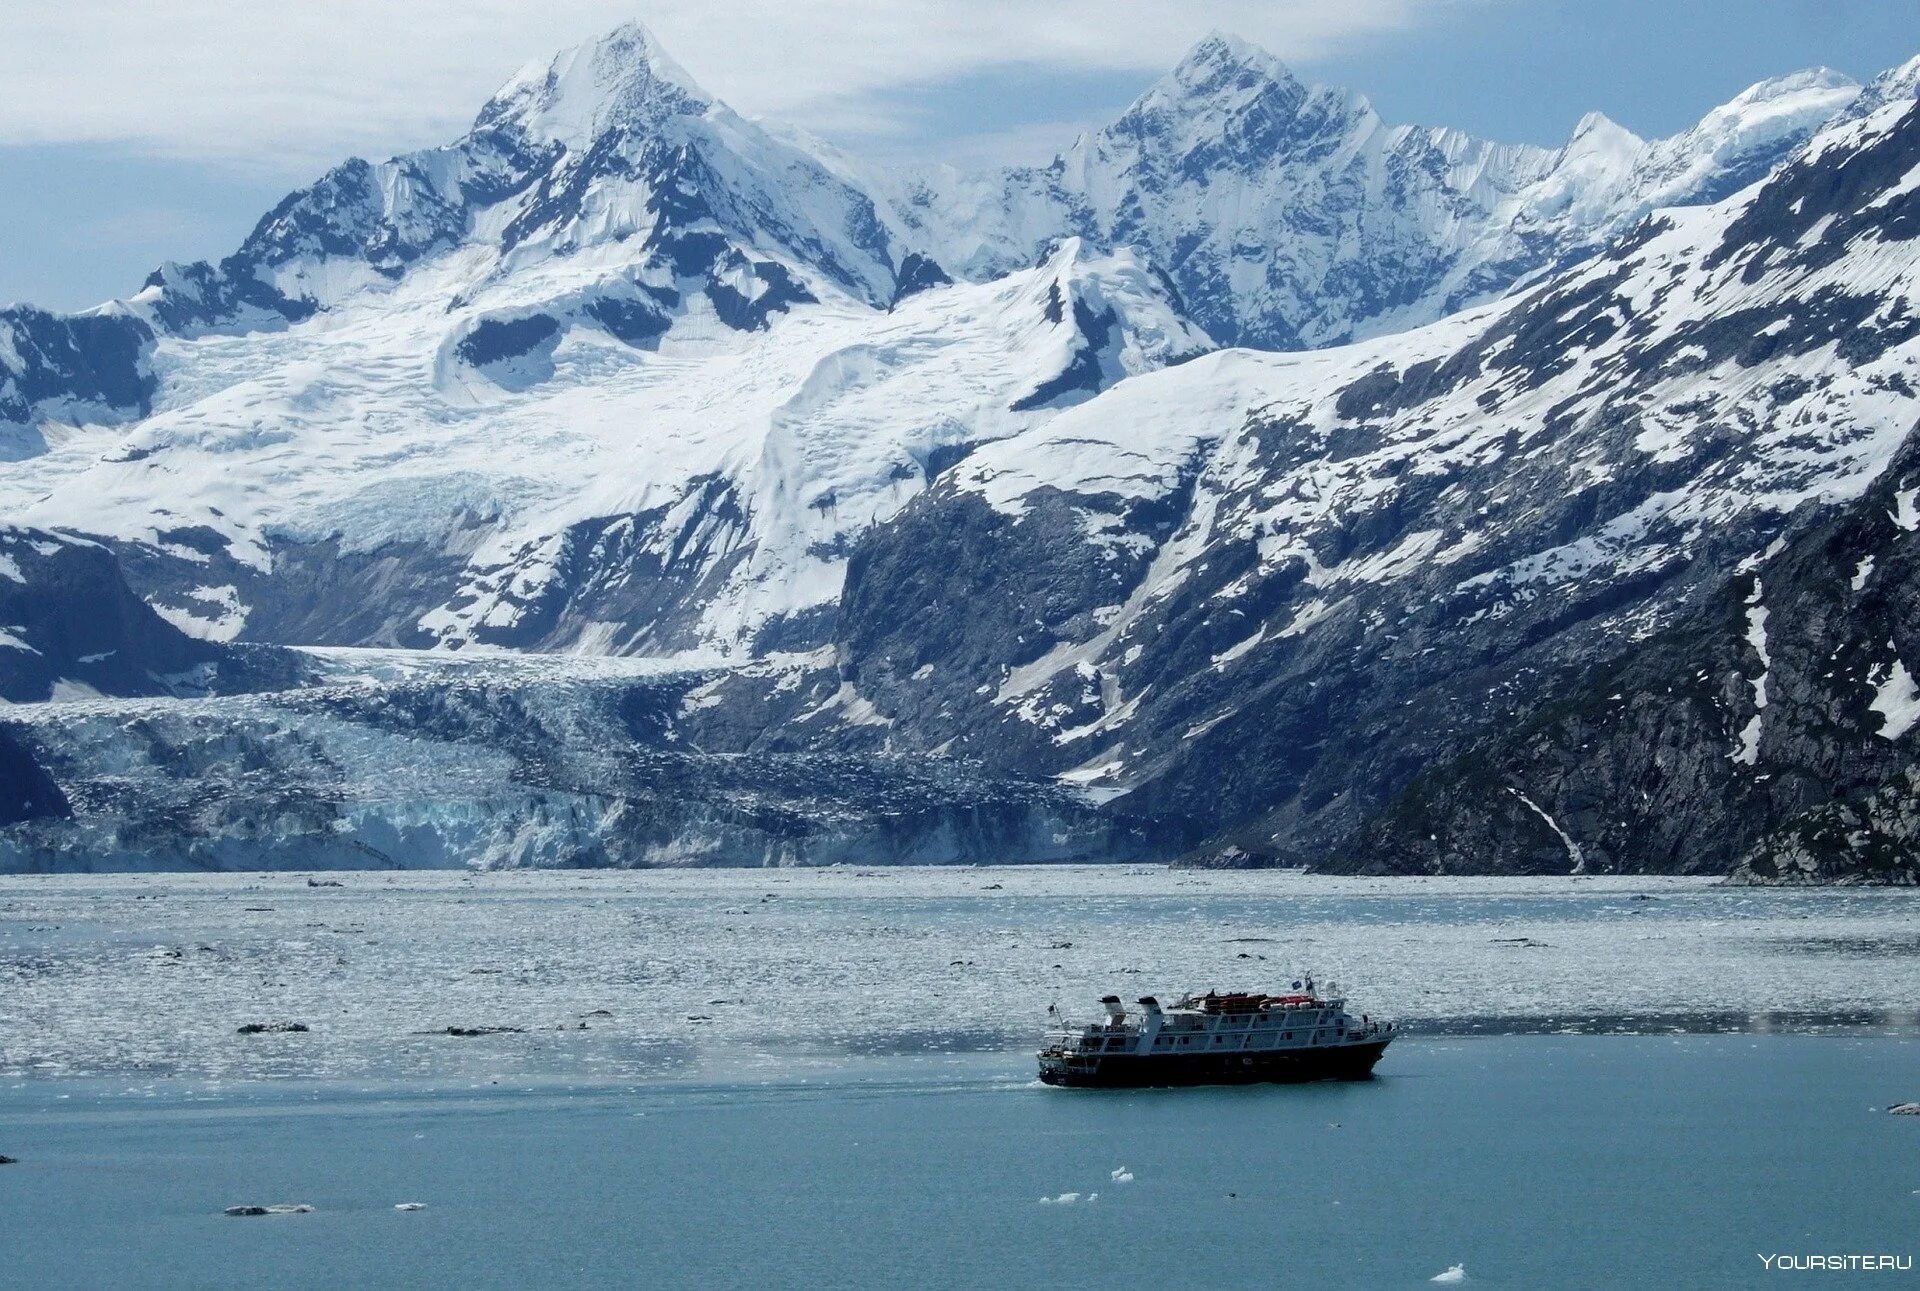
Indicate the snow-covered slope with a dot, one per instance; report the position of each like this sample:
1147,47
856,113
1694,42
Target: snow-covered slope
605,497
1292,216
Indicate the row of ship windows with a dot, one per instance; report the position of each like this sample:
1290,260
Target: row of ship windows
1305,1019
1168,1042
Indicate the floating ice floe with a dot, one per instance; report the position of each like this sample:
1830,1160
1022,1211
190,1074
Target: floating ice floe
411,1205
1905,1109
1457,1273
1064,1199
1122,1175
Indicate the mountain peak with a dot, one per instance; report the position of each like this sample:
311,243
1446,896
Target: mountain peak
623,78
1795,102
1793,83
1221,59
1896,83
1222,80
1598,132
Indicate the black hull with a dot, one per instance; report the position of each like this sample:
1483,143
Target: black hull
1287,1067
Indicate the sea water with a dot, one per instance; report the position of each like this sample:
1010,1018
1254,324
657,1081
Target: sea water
825,1079
1533,1161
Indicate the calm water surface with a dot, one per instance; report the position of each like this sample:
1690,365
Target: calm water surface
1534,1160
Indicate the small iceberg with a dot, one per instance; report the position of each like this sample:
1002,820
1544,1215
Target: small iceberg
1905,1109
411,1205
1122,1175
1458,1273
1064,1199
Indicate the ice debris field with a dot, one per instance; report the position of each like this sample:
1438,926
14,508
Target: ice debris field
619,976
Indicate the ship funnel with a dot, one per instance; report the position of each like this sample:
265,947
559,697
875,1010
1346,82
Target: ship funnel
1151,1005
1114,1012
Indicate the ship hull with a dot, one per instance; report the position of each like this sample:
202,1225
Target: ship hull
1150,1071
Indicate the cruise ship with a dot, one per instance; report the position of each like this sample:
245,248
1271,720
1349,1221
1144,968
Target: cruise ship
1216,1039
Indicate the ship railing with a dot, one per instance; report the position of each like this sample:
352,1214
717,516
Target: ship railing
1075,1030
1066,1038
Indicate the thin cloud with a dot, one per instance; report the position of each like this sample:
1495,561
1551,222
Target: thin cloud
294,87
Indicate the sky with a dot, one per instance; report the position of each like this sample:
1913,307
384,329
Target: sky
132,133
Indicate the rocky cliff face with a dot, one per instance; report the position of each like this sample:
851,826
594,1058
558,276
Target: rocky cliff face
71,627
66,369
27,792
1770,732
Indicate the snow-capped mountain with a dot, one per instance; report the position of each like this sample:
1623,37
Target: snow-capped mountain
1291,216
607,173
936,484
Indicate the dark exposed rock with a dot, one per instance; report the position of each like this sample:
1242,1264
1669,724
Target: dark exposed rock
917,273
637,322
1648,762
27,792
68,617
778,292
273,1028
86,367
499,340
